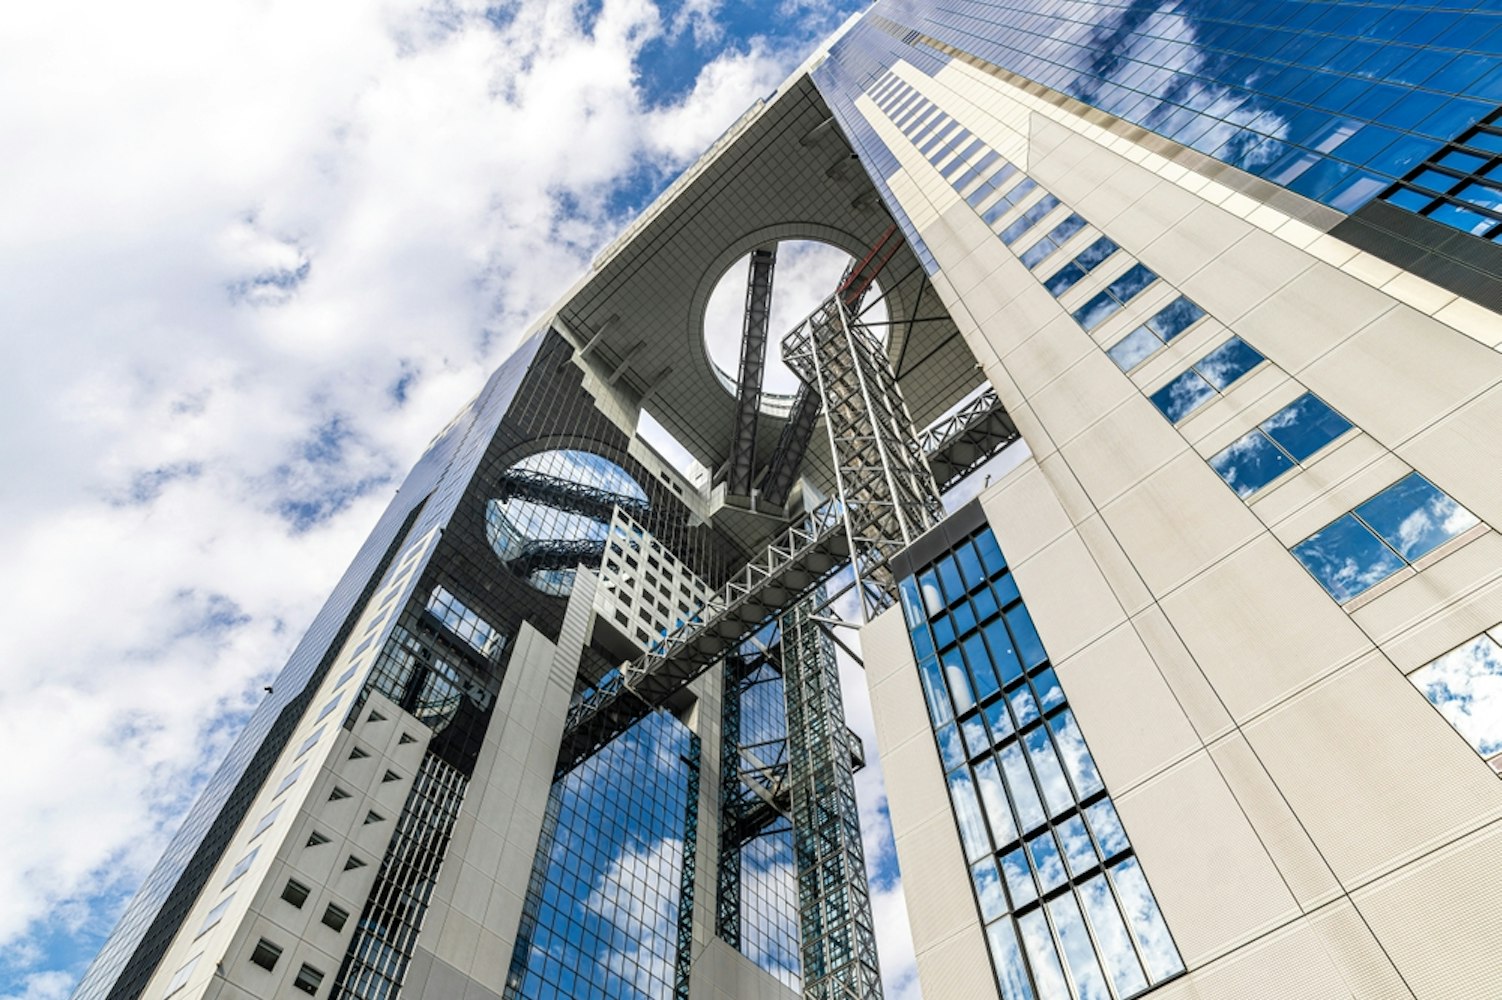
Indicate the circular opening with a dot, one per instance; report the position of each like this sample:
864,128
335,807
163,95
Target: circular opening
556,514
806,274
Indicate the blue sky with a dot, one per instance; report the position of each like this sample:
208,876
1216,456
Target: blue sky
257,252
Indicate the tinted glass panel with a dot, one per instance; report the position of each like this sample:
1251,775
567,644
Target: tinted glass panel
1415,517
1465,685
1305,426
1250,463
1182,396
1346,558
1228,362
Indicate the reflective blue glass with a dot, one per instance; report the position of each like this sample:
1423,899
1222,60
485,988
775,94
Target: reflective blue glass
1228,362
1182,396
1029,219
1133,349
1415,517
1305,426
1346,558
1250,463
1462,685
1174,318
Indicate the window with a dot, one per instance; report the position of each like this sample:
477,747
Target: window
1029,219
1280,442
1117,294
308,743
213,917
1010,200
266,954
295,893
1056,238
1465,685
1049,860
483,637
335,917
266,821
290,779
241,867
181,976
1398,526
1170,321
1216,371
1087,260
324,712
990,185
308,979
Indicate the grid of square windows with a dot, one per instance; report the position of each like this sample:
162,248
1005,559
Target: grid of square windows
1282,441
485,638
1054,877
1214,373
1461,184
1397,527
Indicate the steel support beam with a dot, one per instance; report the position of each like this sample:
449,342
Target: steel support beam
752,370
792,445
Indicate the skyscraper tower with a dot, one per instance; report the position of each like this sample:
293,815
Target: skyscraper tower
1198,698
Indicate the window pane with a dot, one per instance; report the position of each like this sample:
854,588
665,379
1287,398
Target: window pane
977,739
1115,946
1182,396
1143,917
1079,853
1050,695
1106,826
951,752
959,684
1228,362
1064,279
980,667
1047,864
1346,558
1096,254
999,721
1175,318
967,811
1043,959
1415,517
990,552
933,691
1029,646
1003,655
1466,686
1250,463
933,599
993,901
1024,705
994,797
1079,952
1011,975
1133,349
1126,287
1019,876
971,570
1056,790
1096,311
1020,784
1077,758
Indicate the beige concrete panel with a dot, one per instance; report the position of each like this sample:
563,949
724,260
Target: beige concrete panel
1066,486
1187,348
1305,873
935,881
1030,308
1208,441
1069,600
1081,395
1355,952
1122,183
1437,919
1189,832
1122,577
916,791
1462,454
958,968
1374,774
1311,315
1260,627
1179,522
1162,209
1202,235
1291,963
1401,372
1447,603
1256,266
884,643
1202,706
1024,512
1047,354
1340,498
1126,710
1120,450
1300,488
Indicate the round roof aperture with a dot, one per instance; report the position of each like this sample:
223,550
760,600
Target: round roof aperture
552,512
806,273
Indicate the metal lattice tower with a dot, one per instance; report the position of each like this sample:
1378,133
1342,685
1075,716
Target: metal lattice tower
834,901
882,478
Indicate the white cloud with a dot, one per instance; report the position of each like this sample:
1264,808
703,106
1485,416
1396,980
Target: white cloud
232,231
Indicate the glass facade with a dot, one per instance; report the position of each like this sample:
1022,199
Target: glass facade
1282,441
1066,907
1340,101
604,907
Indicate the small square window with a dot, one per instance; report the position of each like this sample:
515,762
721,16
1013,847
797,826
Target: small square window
308,979
335,917
295,893
266,954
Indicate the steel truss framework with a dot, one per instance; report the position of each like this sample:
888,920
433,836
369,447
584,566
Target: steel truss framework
834,902
881,475
752,370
